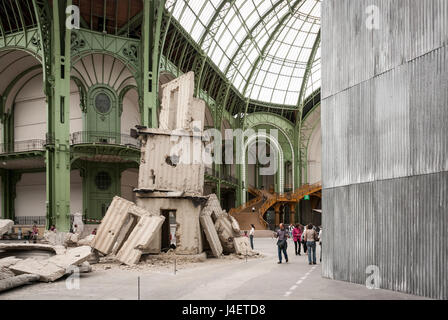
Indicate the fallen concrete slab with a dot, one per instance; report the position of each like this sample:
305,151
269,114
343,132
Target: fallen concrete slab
139,239
46,270
5,226
8,261
74,256
211,235
17,281
110,226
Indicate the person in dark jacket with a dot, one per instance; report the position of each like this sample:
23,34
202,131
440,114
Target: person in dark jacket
282,235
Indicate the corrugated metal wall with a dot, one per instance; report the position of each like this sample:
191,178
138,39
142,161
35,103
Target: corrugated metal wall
385,143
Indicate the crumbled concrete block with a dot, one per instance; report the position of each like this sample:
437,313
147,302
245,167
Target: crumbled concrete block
235,224
46,270
179,108
87,241
5,273
85,267
17,281
5,226
242,246
72,256
213,207
110,226
226,234
8,261
139,239
211,234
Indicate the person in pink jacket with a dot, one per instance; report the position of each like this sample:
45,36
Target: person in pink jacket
297,236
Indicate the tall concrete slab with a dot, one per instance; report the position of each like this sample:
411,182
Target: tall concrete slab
384,143
179,109
210,233
139,239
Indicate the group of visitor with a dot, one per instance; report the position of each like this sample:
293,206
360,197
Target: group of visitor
305,236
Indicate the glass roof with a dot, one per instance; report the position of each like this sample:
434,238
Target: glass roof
262,46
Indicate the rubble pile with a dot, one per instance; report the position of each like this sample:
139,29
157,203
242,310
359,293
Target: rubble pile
170,183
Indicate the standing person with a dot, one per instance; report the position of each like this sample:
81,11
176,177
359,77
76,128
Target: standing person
310,239
251,236
303,240
282,244
320,243
297,237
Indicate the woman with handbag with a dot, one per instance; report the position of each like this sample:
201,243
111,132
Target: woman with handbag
310,238
282,245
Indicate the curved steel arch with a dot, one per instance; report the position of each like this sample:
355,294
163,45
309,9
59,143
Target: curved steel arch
277,145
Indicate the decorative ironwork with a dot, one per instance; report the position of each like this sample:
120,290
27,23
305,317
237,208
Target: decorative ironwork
77,43
131,53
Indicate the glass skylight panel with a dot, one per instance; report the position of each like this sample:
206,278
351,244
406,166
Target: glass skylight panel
278,72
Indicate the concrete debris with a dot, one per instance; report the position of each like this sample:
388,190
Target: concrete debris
5,226
74,256
226,234
235,224
8,261
54,267
46,270
242,246
211,235
115,218
17,281
5,273
139,239
5,263
179,108
85,267
87,241
213,207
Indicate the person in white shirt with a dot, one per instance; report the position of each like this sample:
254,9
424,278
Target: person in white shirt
251,236
303,240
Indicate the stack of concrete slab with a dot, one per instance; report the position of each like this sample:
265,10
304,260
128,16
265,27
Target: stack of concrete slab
127,228
170,183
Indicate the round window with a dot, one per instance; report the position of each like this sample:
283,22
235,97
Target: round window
103,180
102,103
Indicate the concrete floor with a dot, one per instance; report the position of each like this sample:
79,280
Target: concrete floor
215,279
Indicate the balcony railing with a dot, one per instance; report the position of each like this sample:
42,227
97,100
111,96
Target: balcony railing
98,137
23,146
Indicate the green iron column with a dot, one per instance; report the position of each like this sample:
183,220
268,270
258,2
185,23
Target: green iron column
9,182
58,121
151,38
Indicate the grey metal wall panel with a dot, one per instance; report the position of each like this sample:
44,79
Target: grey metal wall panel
391,126
408,29
385,144
399,225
